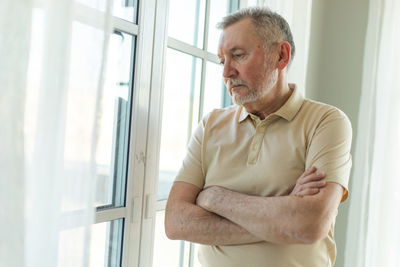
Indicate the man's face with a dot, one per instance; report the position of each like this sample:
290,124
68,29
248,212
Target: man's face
249,73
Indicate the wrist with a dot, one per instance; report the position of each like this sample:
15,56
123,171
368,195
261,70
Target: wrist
208,198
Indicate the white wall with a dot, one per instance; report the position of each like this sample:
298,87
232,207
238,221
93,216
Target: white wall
334,70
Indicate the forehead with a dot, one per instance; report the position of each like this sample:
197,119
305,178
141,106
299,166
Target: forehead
239,35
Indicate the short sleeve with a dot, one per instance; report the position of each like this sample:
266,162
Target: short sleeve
329,149
191,170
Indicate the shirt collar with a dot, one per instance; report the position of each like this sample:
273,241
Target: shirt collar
288,111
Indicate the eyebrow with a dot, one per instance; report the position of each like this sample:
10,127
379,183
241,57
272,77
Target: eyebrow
236,48
233,49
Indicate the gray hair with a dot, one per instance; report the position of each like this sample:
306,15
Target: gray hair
269,26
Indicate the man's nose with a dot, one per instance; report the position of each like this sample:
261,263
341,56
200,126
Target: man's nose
229,70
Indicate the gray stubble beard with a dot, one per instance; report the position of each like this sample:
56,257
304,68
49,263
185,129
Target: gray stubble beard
255,94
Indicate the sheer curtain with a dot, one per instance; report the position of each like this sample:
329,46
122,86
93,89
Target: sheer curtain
51,70
373,235
298,15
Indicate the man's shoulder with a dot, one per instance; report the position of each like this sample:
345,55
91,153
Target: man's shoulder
223,115
316,114
322,110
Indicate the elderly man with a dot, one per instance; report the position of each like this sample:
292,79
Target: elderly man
248,189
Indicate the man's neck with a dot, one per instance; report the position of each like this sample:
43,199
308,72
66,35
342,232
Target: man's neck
270,103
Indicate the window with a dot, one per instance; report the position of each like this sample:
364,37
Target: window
110,231
193,86
112,152
119,154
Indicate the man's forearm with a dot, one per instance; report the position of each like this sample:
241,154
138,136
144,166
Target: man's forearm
250,214
187,221
285,219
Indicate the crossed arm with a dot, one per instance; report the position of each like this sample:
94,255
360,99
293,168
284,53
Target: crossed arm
218,216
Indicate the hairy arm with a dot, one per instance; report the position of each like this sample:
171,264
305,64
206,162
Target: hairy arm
185,220
286,219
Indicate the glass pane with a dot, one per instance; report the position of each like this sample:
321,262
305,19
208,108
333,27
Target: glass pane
182,84
214,88
196,262
105,245
252,3
111,102
97,4
112,149
167,253
81,108
186,21
126,9
218,10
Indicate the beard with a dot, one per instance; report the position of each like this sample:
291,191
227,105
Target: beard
253,93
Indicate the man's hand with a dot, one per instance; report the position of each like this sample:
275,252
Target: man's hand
309,183
208,196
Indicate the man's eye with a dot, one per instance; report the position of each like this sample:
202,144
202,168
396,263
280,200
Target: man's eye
238,55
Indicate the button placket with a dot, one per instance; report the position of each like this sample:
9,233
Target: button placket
256,143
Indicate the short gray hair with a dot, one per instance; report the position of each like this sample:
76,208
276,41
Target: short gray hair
268,25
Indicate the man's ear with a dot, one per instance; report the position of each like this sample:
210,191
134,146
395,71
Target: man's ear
284,49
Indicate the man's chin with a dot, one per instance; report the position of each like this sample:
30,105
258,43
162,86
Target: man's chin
240,101
239,96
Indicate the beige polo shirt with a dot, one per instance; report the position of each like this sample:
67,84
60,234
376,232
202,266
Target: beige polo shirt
236,150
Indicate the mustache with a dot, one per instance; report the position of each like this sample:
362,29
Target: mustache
233,82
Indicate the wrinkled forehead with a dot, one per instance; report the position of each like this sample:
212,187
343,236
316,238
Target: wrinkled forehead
240,34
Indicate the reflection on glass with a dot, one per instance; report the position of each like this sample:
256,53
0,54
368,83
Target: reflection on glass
111,103
112,148
218,10
214,88
81,108
126,9
167,253
182,83
105,247
186,21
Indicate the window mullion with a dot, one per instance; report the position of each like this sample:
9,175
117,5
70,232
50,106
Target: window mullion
110,214
193,75
157,36
203,70
207,25
125,26
136,245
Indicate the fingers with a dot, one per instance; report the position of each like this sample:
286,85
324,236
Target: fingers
307,192
317,184
309,183
308,172
309,188
311,177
